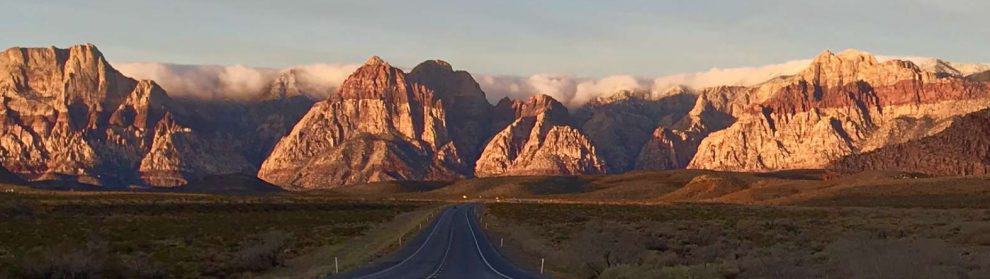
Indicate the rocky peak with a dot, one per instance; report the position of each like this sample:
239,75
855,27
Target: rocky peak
676,89
539,104
447,84
433,66
849,66
376,79
374,60
78,74
381,125
143,108
842,104
284,86
508,110
468,113
70,115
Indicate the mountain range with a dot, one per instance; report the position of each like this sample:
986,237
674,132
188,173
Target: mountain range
68,115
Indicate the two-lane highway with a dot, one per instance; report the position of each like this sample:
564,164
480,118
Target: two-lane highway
454,246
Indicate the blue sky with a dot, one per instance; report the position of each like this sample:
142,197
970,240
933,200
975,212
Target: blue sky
583,38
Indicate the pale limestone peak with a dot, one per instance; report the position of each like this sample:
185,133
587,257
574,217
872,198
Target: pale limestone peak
375,60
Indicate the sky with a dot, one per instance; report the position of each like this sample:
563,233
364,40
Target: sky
565,37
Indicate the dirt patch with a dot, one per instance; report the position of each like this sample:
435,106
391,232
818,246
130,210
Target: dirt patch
706,187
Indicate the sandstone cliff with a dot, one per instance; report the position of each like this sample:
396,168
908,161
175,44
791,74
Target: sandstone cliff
381,125
468,112
841,104
621,124
961,149
674,146
68,115
538,141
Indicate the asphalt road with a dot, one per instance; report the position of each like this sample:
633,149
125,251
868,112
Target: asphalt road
453,246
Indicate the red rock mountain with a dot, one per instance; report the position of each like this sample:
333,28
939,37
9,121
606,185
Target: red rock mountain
842,104
538,140
961,149
381,125
68,115
621,124
433,123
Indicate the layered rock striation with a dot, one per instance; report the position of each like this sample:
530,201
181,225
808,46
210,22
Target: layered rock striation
67,114
539,140
963,148
381,125
842,104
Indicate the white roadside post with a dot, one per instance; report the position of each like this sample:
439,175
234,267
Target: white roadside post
336,266
501,242
541,265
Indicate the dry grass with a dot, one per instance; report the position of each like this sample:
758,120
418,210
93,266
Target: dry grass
722,241
795,187
93,234
357,251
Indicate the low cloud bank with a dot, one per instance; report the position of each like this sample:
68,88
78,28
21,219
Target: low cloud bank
574,91
321,80
235,82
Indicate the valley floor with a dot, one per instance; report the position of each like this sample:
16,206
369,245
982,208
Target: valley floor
46,234
731,241
651,224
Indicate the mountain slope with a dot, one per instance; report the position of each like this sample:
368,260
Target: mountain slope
379,126
841,104
961,149
539,140
67,114
620,125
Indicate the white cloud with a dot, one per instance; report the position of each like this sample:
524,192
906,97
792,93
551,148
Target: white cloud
743,76
234,82
591,89
323,79
570,91
320,80
574,92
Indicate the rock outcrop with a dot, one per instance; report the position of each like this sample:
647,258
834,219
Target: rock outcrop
842,104
673,146
981,77
381,125
621,124
468,112
538,141
961,149
67,114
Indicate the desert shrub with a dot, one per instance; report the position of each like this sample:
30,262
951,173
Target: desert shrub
142,266
977,235
66,261
627,271
262,252
601,245
781,261
700,271
864,257
17,208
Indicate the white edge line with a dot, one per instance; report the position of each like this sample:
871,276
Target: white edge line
432,232
479,248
